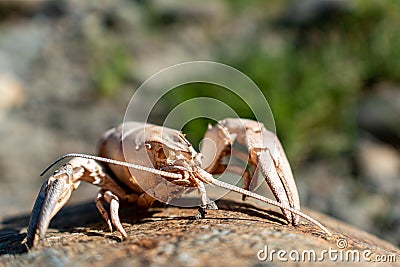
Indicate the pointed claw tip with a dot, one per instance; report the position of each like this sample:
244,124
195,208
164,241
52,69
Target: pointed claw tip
32,240
123,234
52,196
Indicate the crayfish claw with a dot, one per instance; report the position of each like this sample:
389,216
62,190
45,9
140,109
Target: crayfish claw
53,195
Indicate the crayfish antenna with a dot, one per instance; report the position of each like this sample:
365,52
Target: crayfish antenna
212,180
113,161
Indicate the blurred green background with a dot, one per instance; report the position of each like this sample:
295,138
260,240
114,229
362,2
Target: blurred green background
330,70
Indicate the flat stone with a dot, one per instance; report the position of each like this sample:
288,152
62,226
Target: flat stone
234,235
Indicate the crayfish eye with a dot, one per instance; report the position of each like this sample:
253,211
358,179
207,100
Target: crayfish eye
147,146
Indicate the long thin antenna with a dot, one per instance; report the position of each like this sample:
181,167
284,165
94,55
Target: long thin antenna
209,178
263,199
116,162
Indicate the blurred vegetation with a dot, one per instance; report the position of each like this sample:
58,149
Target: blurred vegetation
108,70
312,81
109,62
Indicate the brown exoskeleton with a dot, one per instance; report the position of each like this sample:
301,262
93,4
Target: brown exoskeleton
143,163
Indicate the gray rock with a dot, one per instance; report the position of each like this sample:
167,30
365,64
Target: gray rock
309,12
379,113
233,235
379,164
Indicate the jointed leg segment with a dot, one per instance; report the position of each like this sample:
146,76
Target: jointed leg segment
103,197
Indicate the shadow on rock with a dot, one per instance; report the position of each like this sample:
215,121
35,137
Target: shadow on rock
11,238
11,241
86,215
12,230
251,210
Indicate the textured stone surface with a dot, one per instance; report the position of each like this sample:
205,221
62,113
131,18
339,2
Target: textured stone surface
171,236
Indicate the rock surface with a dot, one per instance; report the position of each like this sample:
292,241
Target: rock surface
232,235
